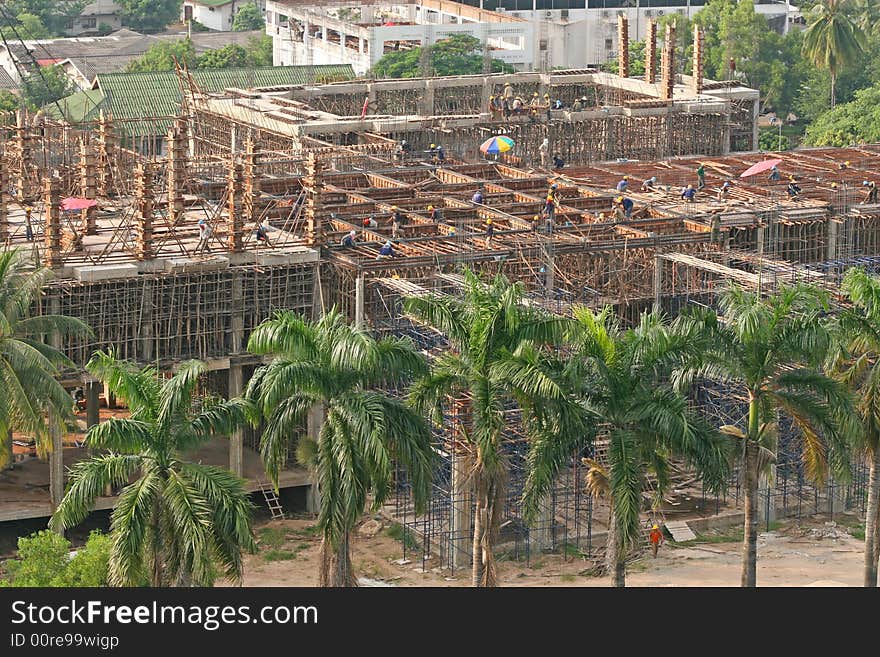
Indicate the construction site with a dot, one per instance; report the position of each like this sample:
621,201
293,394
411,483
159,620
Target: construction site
281,175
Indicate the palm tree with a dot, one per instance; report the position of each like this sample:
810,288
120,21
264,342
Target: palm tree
771,350
623,379
832,40
497,361
858,365
176,521
866,15
366,430
28,365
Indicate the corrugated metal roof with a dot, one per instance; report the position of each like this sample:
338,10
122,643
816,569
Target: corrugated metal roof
144,95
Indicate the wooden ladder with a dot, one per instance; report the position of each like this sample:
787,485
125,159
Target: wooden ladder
272,500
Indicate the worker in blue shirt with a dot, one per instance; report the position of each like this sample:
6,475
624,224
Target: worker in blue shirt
478,197
386,251
623,184
349,240
625,204
688,193
774,173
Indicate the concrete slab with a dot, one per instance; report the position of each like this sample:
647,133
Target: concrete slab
206,263
287,256
91,273
680,531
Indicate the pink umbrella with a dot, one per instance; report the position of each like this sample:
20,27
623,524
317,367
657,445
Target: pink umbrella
77,203
759,168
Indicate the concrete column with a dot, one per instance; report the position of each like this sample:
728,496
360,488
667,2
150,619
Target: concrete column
88,186
52,227
314,422
832,227
4,187
836,496
622,46
234,221
697,69
56,460
426,103
23,140
359,301
767,497
658,282
106,148
143,192
147,336
651,53
92,403
236,440
313,209
667,64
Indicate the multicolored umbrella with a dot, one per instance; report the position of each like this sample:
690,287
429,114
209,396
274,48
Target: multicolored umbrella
760,167
495,145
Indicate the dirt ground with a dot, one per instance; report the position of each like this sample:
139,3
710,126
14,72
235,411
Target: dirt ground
813,552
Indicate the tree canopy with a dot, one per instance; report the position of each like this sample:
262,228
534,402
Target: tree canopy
51,15
161,57
249,17
150,15
460,54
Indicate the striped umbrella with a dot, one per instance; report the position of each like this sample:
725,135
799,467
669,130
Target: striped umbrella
495,145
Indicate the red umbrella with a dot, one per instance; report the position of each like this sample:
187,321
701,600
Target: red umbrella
77,203
759,168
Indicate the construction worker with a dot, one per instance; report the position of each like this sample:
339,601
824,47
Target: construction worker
369,222
505,107
550,207
547,105
774,173
843,165
543,151
262,234
623,184
724,192
656,538
490,231
793,190
601,217
517,105
535,105
349,240
577,105
558,162
701,176
28,227
435,214
625,204
508,92
871,192
650,185
205,233
439,154
536,222
688,194
552,191
493,109
385,251
478,197
397,220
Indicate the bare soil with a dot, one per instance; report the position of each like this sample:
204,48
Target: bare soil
813,552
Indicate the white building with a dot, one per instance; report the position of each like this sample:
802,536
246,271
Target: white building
530,34
333,33
216,14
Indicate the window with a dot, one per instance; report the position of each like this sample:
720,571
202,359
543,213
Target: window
89,23
609,44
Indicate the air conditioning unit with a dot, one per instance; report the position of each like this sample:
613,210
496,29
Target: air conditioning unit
682,11
563,13
515,14
659,12
648,13
548,14
605,14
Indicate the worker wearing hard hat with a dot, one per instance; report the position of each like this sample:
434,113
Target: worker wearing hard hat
656,538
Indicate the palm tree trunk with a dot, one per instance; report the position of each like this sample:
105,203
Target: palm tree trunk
833,89
156,576
750,521
7,457
871,511
615,564
480,522
336,564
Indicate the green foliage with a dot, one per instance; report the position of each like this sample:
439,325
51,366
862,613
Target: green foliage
52,14
26,26
460,54
832,41
46,86
9,103
162,56
249,17
44,560
229,56
636,60
405,535
104,29
769,139
28,366
195,26
176,522
150,15
855,122
259,50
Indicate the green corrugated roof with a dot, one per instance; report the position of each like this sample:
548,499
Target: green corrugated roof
142,95
212,3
